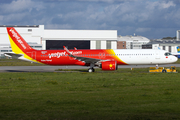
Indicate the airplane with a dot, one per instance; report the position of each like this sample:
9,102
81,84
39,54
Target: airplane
177,54
106,59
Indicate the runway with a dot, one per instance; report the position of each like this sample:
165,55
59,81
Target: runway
53,68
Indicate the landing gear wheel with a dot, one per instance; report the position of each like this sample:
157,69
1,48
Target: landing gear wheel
164,71
91,70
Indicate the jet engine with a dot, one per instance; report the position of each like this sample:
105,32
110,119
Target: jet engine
109,65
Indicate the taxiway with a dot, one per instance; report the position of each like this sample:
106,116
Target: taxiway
53,68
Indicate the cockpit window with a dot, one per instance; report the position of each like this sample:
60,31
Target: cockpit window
167,54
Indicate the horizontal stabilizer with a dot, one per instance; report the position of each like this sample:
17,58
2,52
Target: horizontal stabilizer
13,55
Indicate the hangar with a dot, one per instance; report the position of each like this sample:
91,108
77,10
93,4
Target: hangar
48,39
56,39
81,39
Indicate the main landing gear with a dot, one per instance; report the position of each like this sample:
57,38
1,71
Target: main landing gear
91,69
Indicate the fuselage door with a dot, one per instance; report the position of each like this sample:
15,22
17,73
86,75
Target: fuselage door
33,55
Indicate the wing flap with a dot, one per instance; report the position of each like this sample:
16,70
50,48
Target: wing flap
87,60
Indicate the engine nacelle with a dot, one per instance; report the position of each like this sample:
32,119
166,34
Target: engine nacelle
108,65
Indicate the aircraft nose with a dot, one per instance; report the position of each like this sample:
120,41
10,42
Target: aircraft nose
175,59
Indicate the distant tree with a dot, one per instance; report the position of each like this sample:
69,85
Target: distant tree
165,38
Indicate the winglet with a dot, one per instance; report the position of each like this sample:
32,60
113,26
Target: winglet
67,50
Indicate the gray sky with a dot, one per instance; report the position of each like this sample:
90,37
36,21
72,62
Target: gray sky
149,18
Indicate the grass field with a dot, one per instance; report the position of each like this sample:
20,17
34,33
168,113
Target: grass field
122,94
15,62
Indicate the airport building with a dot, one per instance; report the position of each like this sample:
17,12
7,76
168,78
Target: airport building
168,45
81,39
131,42
178,35
49,39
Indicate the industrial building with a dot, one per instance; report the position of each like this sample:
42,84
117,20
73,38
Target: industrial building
49,39
81,39
177,35
168,45
131,42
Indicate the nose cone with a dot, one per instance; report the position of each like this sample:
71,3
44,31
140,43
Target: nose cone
174,59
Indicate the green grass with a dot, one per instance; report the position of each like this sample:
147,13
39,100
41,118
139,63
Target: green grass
122,94
15,62
177,62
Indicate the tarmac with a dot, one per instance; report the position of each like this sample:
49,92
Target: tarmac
54,68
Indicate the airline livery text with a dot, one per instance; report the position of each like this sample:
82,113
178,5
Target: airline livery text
18,38
59,54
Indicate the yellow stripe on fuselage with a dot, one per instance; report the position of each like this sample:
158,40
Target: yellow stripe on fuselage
17,50
111,51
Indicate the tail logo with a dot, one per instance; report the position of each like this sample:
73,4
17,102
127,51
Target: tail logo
178,49
15,35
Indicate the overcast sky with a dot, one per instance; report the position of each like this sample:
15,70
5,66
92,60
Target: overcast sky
148,18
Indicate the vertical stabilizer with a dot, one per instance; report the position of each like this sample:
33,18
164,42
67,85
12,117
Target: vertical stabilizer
18,44
20,47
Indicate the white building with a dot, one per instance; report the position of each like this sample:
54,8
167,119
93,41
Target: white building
56,39
29,33
81,39
177,34
167,45
134,42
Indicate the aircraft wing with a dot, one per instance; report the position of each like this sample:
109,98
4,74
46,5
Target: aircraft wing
84,59
87,60
13,55
175,53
